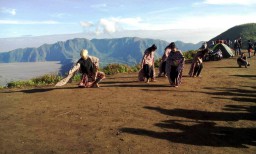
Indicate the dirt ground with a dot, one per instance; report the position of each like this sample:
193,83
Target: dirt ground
212,114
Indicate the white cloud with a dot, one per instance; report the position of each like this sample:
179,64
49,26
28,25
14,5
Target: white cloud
26,22
229,2
86,24
8,11
111,25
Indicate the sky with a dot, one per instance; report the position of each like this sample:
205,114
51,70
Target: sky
19,18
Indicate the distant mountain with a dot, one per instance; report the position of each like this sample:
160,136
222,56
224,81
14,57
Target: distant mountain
246,31
185,35
128,50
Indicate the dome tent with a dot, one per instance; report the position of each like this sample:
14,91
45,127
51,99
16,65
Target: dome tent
226,51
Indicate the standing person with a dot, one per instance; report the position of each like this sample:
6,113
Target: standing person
239,45
250,47
204,46
162,65
147,64
174,66
236,48
254,48
212,45
197,63
88,66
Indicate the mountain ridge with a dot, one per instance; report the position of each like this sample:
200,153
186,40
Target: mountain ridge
127,50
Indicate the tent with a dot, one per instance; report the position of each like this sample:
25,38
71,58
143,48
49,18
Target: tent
226,51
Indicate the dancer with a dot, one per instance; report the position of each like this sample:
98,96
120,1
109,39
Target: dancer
88,66
174,66
197,63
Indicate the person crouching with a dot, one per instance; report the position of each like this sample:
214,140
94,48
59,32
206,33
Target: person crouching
242,61
88,66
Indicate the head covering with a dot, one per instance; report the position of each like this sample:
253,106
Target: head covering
84,53
172,45
153,47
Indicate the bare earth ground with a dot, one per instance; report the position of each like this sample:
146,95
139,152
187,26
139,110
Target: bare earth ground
212,114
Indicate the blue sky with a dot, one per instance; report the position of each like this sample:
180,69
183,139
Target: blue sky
47,17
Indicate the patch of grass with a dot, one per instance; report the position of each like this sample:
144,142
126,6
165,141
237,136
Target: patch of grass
48,79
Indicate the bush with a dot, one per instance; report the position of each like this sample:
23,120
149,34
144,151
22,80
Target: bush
47,79
77,77
189,55
119,68
157,62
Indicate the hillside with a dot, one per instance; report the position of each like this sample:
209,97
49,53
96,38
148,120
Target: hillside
246,31
127,50
212,114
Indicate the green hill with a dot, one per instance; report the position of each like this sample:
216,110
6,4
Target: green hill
246,31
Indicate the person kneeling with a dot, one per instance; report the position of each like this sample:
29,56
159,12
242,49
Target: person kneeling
88,67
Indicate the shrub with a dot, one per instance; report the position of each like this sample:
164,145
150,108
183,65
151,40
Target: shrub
157,62
119,68
47,79
189,54
77,77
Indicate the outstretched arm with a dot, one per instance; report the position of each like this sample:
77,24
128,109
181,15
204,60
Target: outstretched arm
71,73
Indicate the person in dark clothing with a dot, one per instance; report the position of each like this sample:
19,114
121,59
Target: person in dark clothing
174,66
242,61
162,65
254,48
197,63
250,48
236,47
88,67
239,45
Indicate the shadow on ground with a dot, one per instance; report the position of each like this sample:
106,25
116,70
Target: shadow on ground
201,128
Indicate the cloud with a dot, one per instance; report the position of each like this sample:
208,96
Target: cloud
229,2
86,24
8,11
26,22
110,25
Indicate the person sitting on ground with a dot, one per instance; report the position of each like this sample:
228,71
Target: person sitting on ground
147,65
197,63
242,61
174,66
88,67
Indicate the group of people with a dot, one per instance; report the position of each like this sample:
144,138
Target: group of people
171,65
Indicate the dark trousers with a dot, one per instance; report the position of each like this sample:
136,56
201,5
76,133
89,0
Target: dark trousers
174,73
148,71
198,70
163,67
